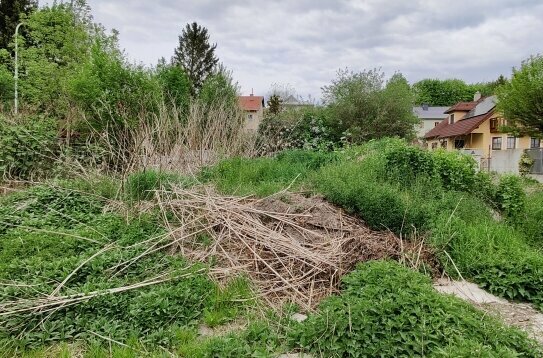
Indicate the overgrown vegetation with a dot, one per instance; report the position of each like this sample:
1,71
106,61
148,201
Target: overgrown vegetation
390,311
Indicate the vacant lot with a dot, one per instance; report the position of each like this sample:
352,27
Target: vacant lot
215,265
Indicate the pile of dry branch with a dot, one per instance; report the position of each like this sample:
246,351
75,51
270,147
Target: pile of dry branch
293,248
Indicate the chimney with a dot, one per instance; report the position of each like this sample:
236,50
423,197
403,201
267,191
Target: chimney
425,106
252,94
477,96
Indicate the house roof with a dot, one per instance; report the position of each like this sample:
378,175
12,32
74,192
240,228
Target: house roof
481,111
429,112
462,127
464,106
251,103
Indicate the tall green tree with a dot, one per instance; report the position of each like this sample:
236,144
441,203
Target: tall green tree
195,55
364,106
275,104
10,16
521,99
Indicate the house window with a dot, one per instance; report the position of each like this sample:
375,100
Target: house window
249,116
444,144
496,143
434,145
459,143
511,142
436,123
451,121
494,124
535,142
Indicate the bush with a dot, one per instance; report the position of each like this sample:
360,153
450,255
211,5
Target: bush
457,171
27,148
390,311
406,163
510,197
380,204
533,222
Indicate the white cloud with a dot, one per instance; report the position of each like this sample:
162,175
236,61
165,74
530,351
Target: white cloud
304,42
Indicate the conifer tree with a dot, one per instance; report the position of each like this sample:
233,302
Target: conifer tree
195,55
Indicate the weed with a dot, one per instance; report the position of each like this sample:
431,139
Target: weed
389,311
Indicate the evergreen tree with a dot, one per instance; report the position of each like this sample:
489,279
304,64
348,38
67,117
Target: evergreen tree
195,55
10,13
275,104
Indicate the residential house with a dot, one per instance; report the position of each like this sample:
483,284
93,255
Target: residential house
429,118
293,102
253,106
475,128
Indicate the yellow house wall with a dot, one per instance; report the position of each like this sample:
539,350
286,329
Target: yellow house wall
252,124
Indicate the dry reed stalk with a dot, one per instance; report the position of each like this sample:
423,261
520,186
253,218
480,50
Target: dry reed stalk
295,256
47,303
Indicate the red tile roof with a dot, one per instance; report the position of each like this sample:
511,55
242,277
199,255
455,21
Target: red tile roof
459,128
464,106
251,103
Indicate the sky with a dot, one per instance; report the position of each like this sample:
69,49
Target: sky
303,43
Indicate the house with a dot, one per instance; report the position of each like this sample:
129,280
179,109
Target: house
293,102
253,106
474,127
429,118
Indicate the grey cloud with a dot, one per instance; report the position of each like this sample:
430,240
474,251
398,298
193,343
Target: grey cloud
304,42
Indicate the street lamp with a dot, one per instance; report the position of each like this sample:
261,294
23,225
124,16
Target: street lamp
16,69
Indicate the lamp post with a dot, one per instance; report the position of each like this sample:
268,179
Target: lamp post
16,68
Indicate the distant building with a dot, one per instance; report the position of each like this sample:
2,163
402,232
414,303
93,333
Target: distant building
429,118
475,128
253,106
293,102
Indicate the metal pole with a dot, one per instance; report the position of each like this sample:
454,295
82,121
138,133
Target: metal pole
16,68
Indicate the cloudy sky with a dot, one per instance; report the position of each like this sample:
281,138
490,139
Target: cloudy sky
304,42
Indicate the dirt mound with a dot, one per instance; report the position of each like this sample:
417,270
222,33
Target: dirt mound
293,248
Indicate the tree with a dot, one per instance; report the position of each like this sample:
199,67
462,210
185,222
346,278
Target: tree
175,84
220,86
521,99
364,107
275,104
195,55
10,16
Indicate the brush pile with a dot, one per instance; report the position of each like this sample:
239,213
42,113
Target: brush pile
292,248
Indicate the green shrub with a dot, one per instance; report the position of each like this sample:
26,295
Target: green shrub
380,204
510,197
27,148
405,163
387,310
457,171
533,222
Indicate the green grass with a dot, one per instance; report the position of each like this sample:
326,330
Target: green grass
265,176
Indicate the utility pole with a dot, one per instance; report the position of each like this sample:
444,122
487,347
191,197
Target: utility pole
16,69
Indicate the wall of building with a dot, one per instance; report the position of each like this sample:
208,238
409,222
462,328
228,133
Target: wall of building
252,124
505,161
426,125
